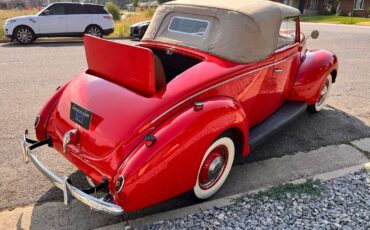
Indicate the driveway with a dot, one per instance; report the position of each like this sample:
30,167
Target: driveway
30,74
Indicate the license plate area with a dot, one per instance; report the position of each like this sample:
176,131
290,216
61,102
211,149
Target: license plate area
80,116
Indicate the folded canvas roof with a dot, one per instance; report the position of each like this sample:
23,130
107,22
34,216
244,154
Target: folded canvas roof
242,31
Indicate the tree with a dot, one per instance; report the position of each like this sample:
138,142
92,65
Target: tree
136,3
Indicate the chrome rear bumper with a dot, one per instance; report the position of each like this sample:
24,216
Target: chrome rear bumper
69,191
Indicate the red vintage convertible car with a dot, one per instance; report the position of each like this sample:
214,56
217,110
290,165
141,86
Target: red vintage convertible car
209,82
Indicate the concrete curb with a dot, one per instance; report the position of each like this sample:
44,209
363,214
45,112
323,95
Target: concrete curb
221,202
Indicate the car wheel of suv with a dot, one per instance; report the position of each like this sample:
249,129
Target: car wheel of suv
215,167
325,91
24,35
94,30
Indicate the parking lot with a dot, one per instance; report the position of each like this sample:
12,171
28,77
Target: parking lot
30,74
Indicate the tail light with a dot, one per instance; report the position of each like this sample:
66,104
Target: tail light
110,18
37,121
119,184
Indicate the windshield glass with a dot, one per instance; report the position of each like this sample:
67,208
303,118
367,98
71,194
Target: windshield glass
42,10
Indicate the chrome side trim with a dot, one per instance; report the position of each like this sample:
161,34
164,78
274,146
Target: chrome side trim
69,191
215,86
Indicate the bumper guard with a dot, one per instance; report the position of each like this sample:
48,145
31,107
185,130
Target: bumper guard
64,184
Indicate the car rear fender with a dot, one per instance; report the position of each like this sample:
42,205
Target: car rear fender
314,69
170,166
46,111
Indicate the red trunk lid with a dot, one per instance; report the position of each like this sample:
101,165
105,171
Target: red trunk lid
117,114
129,66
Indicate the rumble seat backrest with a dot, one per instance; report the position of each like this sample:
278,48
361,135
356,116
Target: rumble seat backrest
160,74
133,67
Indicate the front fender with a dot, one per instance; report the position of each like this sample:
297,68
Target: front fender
25,22
314,69
170,167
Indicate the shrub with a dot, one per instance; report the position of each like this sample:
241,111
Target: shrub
114,10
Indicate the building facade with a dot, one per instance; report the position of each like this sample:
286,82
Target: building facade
359,8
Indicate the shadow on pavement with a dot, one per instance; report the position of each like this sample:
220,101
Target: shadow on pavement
62,42
312,131
329,127
46,43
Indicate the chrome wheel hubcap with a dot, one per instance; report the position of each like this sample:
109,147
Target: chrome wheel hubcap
94,31
213,167
24,35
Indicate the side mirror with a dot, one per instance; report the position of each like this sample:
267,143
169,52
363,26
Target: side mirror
315,34
46,12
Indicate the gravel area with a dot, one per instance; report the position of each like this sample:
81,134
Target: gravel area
343,203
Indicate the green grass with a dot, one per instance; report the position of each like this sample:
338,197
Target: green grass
337,20
311,187
2,35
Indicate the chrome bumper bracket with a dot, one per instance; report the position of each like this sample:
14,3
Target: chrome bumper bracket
66,193
69,192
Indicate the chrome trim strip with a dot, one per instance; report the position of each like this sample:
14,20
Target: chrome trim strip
214,86
69,191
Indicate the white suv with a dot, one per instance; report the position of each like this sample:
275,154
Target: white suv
61,20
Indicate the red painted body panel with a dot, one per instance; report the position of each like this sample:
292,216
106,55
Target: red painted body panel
315,67
237,96
168,168
46,112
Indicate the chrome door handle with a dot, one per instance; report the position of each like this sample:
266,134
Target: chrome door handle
277,70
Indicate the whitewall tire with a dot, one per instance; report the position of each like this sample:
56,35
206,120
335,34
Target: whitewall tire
215,167
324,94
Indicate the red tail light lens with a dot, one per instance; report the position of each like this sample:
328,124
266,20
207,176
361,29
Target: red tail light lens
37,121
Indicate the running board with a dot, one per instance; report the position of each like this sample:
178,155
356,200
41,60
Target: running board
284,116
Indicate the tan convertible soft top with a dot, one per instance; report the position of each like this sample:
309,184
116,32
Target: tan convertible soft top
242,31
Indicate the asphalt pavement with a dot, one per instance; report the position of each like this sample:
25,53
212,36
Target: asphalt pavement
30,74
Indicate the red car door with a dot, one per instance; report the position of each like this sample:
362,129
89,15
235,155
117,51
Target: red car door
285,69
286,57
280,76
